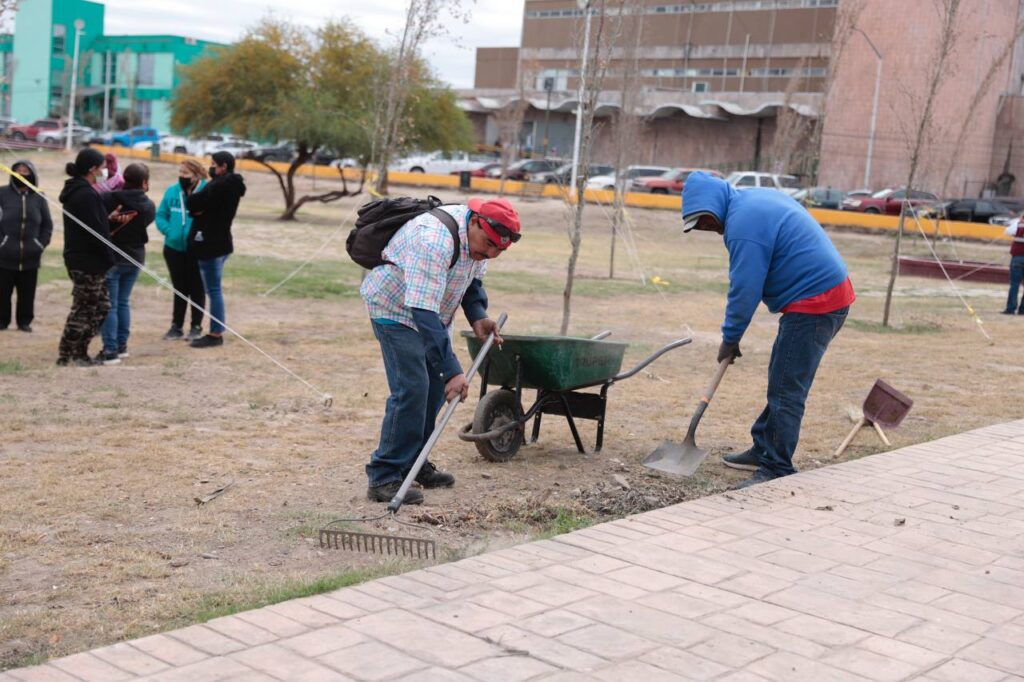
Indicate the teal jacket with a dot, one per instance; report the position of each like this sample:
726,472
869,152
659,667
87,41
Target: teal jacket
173,222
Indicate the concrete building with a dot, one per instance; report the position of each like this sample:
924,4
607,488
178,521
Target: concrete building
130,78
783,85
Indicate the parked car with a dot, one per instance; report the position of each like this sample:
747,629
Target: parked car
238,148
441,162
521,170
977,211
283,152
6,123
128,138
669,182
79,135
632,172
888,201
482,171
30,131
821,197
563,174
748,180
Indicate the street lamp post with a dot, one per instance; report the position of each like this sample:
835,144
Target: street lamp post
549,85
874,109
79,25
585,6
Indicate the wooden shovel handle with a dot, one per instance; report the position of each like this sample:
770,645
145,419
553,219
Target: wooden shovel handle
849,439
709,390
705,399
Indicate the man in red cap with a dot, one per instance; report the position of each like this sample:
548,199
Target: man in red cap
412,300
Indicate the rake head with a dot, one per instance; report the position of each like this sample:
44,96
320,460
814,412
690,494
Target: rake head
377,543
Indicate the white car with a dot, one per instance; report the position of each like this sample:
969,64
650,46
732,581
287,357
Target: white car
749,180
632,172
238,148
79,133
441,163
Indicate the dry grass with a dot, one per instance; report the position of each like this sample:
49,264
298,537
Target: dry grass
100,538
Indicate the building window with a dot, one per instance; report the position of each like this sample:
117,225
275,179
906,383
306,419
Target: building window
60,32
700,86
147,61
109,68
143,112
702,8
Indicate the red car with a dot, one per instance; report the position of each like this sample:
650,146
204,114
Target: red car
888,201
670,182
31,130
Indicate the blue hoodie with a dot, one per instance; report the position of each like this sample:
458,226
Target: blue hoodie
174,223
778,253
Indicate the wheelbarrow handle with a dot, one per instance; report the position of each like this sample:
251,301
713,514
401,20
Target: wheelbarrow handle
646,361
399,498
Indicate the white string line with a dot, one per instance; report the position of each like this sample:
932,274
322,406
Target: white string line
316,253
970,309
326,397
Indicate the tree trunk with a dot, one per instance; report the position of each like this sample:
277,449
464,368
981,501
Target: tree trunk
287,183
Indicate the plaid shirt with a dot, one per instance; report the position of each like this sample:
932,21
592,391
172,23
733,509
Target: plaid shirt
417,274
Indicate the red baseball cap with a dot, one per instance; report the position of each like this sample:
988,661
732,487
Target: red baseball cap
500,220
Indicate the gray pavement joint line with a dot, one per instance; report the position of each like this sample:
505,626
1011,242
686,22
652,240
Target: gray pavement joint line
327,398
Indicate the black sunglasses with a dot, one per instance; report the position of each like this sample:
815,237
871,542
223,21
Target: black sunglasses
503,232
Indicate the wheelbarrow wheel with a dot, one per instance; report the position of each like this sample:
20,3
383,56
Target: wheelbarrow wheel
495,410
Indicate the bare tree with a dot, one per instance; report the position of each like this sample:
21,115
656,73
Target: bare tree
949,11
847,15
423,19
595,65
983,89
627,123
509,120
790,127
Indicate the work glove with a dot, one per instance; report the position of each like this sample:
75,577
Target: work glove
729,351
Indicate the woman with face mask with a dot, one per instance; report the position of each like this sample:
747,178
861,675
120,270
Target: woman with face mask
86,256
25,230
174,222
110,178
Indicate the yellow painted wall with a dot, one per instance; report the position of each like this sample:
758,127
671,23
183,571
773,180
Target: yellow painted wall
838,219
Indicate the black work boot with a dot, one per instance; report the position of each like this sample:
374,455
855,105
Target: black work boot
747,460
760,476
431,477
387,492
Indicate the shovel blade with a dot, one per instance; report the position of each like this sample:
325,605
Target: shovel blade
681,459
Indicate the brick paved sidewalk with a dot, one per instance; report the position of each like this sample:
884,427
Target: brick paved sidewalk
905,565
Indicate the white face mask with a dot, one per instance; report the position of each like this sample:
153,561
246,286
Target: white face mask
104,173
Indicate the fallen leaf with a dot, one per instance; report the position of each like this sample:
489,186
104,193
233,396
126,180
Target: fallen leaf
899,522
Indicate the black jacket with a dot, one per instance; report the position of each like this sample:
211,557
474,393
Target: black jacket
25,225
82,251
132,236
212,209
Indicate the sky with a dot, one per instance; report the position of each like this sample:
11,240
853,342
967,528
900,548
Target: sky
493,23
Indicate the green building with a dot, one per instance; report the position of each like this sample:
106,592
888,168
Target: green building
123,80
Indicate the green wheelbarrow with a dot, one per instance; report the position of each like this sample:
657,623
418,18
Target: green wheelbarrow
558,368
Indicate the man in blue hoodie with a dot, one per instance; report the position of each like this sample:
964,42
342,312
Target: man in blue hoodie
780,255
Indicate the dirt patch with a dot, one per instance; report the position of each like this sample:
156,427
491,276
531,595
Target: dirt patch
101,538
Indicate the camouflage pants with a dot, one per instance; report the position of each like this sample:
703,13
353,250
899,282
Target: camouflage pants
90,304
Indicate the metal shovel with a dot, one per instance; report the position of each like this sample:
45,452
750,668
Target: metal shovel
684,458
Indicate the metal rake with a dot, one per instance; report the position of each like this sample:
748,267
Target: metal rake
378,543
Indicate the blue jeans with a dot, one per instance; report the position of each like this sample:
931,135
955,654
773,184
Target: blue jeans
212,270
412,408
1016,276
799,346
120,280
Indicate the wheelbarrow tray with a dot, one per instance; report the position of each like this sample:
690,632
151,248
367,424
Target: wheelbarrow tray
552,363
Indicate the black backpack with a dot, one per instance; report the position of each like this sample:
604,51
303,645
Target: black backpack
379,220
